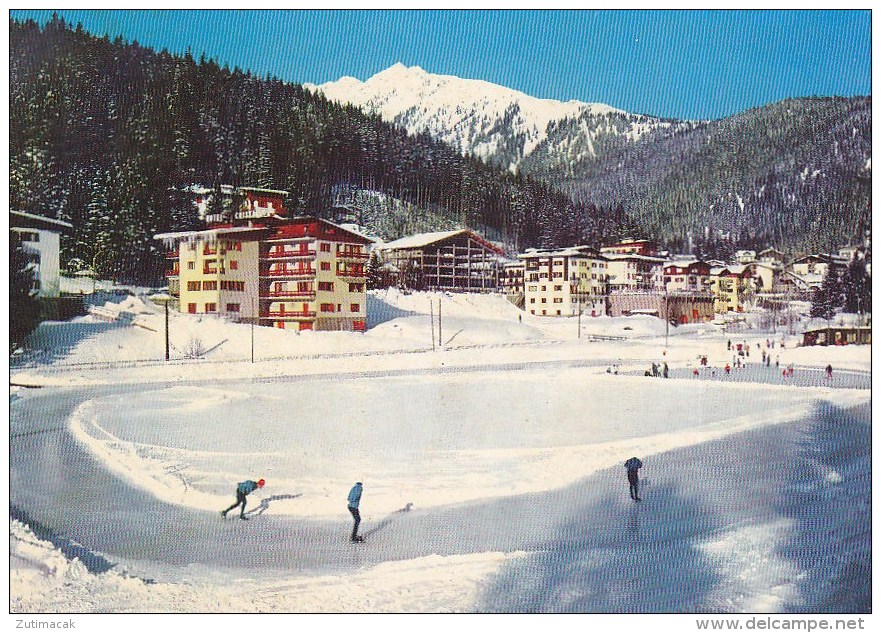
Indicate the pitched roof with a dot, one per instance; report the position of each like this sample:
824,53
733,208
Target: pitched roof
29,220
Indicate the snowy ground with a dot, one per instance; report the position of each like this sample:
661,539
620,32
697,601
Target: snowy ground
490,454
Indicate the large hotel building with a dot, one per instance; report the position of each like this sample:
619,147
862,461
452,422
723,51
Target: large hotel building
254,264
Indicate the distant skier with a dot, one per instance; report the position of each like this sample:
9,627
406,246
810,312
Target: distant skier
633,465
354,500
666,370
242,491
828,372
727,368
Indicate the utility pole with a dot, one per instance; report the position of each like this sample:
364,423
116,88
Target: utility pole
579,320
440,337
666,317
431,308
166,330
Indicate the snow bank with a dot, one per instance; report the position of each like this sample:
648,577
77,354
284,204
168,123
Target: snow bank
42,580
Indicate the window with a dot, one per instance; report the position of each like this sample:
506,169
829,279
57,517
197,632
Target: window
325,247
558,313
325,285
194,285
191,265
232,307
209,285
325,265
233,264
327,307
191,308
532,300
558,300
558,288
356,287
544,300
210,307
355,307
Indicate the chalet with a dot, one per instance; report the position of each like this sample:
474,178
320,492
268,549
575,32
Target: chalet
838,335
40,239
807,273
457,261
565,282
745,257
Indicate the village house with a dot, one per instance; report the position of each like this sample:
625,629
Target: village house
631,246
456,261
255,264
807,273
565,282
40,239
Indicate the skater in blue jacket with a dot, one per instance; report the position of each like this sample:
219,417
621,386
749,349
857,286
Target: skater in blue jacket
354,500
242,491
633,465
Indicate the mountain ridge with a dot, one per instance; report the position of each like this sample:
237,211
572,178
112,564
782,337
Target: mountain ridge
497,124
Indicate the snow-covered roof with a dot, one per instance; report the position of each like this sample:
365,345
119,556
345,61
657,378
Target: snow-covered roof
632,256
39,220
422,239
208,234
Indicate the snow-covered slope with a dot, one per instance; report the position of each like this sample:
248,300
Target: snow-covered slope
493,122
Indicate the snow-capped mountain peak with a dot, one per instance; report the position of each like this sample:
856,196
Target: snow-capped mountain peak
477,117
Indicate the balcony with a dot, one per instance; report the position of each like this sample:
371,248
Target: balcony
172,255
284,294
358,257
351,273
288,255
275,314
298,273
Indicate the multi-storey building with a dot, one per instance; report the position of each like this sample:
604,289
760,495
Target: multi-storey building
634,273
511,280
565,282
255,264
687,276
458,261
733,287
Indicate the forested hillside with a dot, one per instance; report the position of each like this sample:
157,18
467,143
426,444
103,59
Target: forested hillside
795,174
106,134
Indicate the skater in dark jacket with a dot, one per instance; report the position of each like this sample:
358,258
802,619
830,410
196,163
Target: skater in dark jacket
354,500
633,465
242,491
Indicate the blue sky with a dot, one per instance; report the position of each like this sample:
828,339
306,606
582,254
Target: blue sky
686,64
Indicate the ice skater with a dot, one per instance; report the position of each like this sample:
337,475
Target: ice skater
633,465
354,500
828,372
242,491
